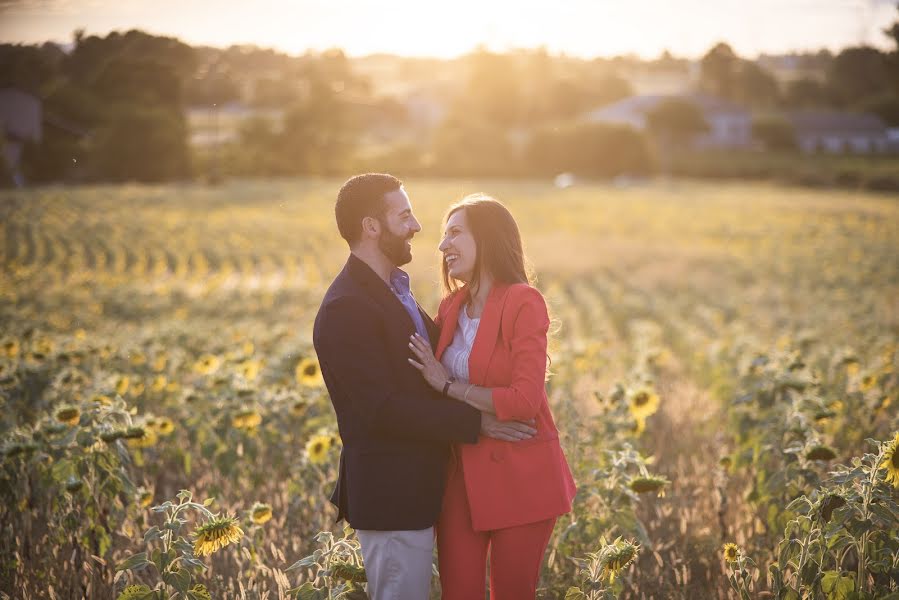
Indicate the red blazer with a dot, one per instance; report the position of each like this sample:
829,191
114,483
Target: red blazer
511,483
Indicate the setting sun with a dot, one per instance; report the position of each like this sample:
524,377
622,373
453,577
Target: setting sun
584,28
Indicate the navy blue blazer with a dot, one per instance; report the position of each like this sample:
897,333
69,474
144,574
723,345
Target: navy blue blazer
396,430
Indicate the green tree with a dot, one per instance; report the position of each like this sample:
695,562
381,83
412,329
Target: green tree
215,85
493,91
806,93
320,132
885,106
141,144
473,147
718,71
756,87
776,133
589,149
858,73
675,121
30,68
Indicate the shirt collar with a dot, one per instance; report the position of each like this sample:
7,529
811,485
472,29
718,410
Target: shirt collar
399,281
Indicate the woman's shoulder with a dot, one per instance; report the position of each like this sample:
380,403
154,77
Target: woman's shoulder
524,293
524,299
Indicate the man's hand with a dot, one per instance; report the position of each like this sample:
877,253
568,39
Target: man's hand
509,431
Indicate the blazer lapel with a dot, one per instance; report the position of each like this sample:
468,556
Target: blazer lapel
485,339
379,291
450,322
430,326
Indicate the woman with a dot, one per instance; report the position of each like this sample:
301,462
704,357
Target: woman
501,495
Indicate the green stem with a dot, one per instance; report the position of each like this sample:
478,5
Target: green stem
802,558
863,547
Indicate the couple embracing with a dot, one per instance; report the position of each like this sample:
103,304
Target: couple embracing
446,429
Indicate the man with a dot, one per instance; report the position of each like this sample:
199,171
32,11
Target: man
396,430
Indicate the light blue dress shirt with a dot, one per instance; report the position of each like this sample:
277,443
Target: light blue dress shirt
399,285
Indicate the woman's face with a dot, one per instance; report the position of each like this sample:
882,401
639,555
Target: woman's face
458,247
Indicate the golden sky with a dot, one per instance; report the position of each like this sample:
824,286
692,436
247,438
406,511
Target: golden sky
449,28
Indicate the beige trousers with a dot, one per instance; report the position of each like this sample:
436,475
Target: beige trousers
398,564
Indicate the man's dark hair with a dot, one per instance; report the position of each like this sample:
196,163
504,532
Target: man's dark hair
362,196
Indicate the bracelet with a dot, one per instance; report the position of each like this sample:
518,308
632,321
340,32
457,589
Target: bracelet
447,384
468,389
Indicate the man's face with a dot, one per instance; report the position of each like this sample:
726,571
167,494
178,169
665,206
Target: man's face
398,225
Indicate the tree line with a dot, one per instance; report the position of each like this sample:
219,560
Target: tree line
115,109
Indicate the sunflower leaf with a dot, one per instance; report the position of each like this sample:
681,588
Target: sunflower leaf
136,561
303,562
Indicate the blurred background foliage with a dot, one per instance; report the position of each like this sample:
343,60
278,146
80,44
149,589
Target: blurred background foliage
135,106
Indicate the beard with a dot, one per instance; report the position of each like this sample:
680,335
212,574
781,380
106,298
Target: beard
394,247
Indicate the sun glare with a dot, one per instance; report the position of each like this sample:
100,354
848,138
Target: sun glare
411,27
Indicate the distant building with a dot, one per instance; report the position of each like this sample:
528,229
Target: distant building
21,122
214,125
730,125
835,132
893,139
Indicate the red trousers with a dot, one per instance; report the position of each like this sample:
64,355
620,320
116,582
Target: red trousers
516,553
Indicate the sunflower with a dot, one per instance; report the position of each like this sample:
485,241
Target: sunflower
820,452
199,592
149,438
249,369
35,358
731,552
137,389
164,426
828,504
216,534
642,402
616,557
145,498
101,399
246,419
868,382
44,346
159,363
260,513
645,484
11,348
136,592
207,364
69,415
317,448
890,462
637,427
308,373
138,358
159,383
298,408
122,384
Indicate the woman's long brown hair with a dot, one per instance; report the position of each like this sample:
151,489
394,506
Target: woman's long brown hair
497,242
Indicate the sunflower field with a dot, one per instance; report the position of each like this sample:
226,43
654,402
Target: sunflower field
723,375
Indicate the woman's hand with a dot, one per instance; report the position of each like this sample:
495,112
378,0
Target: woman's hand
431,369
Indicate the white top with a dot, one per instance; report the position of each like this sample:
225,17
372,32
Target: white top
455,357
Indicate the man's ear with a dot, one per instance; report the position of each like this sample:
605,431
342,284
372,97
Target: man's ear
371,226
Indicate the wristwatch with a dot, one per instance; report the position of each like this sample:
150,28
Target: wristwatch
447,384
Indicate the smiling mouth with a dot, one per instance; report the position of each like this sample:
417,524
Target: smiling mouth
451,259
